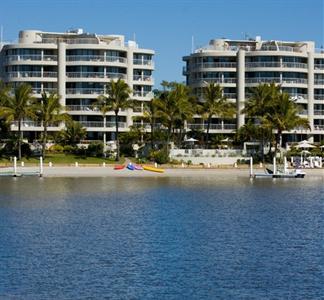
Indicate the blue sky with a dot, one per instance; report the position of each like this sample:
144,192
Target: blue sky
168,26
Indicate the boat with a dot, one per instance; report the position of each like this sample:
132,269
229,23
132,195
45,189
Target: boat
130,166
119,167
153,169
138,167
277,173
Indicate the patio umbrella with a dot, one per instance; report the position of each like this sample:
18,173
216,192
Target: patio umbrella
192,140
305,145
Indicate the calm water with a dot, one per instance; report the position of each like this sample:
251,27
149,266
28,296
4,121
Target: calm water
146,238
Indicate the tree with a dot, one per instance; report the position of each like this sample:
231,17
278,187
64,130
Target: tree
215,104
17,106
118,97
49,112
258,106
73,133
174,107
283,116
150,115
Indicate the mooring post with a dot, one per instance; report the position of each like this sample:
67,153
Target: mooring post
251,167
285,164
274,166
15,167
41,166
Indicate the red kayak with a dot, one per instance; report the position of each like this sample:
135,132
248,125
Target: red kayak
119,167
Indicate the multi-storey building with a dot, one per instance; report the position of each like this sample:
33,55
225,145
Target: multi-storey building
77,66
238,65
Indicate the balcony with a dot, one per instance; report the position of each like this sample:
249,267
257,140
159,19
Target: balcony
212,126
143,94
31,57
318,112
96,58
279,48
319,82
31,74
319,97
145,78
318,127
319,66
94,75
276,65
211,65
276,80
85,91
97,124
215,80
143,62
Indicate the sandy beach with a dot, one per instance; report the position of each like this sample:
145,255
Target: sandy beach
108,171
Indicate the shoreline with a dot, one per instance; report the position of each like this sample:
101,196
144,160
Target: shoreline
108,171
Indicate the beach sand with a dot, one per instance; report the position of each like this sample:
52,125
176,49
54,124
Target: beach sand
172,172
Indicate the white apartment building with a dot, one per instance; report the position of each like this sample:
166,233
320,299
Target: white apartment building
238,65
77,66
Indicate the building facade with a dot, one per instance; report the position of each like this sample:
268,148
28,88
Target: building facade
238,65
77,66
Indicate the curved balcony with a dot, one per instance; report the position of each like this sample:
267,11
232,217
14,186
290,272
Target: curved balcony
143,94
98,124
215,80
31,74
85,91
96,75
211,65
96,58
259,80
293,65
31,57
212,126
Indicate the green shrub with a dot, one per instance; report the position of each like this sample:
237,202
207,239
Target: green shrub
56,148
95,149
69,149
160,156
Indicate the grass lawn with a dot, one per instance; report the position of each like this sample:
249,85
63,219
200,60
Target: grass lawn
62,158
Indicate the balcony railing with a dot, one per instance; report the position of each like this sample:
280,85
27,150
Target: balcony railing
143,94
276,80
31,57
319,81
216,80
279,48
319,127
212,126
96,58
142,78
46,90
319,66
276,65
95,75
145,62
319,112
99,124
32,74
85,91
319,97
298,97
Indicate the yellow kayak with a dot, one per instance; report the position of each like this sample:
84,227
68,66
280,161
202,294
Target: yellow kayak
153,169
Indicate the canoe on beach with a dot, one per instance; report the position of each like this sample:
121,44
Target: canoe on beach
119,167
153,169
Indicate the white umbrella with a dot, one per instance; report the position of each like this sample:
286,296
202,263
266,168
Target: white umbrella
191,140
322,146
305,152
305,145
226,140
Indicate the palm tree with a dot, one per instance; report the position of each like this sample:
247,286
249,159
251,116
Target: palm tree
17,107
257,107
118,97
283,116
215,104
173,106
73,132
150,115
49,111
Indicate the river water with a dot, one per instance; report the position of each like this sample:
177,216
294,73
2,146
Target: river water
161,238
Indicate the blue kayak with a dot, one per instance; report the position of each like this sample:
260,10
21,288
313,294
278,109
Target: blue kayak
131,167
